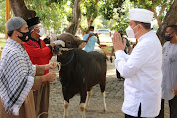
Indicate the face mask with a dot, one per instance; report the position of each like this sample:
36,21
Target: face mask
121,35
23,38
130,32
90,31
41,32
168,37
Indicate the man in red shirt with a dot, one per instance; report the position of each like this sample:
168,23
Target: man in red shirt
40,54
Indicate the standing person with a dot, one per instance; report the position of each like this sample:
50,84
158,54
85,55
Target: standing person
18,76
40,54
125,50
141,69
169,67
91,38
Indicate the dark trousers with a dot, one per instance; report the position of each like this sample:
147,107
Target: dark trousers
173,108
139,114
118,74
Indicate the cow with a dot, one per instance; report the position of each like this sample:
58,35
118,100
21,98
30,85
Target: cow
80,71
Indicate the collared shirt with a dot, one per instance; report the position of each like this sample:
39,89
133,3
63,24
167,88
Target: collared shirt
143,76
169,68
16,76
91,43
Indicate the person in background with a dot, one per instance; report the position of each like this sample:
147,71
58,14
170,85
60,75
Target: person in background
90,39
129,49
18,76
169,67
142,68
175,91
40,54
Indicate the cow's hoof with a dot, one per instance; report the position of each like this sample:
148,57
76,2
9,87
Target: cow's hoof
104,110
65,116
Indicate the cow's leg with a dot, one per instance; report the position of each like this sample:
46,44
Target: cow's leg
66,104
103,95
102,86
83,94
89,93
67,96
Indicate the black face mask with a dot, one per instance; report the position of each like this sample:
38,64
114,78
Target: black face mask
121,35
25,34
168,37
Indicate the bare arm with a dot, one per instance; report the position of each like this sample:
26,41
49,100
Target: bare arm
90,35
129,49
98,40
41,78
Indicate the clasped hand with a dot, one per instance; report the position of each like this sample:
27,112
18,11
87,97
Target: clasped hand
118,44
51,65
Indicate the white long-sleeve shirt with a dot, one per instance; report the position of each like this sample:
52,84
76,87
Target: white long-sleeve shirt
143,76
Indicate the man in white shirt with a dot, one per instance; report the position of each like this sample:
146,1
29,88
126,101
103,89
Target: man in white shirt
141,69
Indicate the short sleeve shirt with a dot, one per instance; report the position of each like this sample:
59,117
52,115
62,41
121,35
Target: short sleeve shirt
91,43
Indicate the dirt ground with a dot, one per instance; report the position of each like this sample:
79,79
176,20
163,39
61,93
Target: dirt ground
114,99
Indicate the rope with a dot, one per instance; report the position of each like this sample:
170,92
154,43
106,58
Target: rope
69,60
59,67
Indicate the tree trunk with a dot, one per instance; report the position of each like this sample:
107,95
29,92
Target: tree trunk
76,18
19,9
90,21
170,19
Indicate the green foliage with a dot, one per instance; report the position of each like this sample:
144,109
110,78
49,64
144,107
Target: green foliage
90,8
153,5
112,14
121,18
2,42
2,16
51,12
108,8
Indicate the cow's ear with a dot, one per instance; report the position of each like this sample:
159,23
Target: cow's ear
82,45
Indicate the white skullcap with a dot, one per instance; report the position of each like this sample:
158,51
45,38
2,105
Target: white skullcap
141,15
15,23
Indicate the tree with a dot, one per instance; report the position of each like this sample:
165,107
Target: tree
2,16
50,12
19,9
170,19
91,10
154,5
117,12
76,18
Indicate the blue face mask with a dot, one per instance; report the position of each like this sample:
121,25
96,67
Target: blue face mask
168,37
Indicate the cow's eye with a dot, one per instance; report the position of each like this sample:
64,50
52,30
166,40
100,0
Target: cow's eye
68,42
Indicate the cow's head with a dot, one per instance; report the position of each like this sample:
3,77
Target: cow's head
70,42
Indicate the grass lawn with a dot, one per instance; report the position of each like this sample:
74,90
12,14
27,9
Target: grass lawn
2,42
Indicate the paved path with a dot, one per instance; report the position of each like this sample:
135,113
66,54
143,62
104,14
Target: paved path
114,100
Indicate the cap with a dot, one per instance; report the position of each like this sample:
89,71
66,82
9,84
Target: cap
15,23
141,15
120,30
33,21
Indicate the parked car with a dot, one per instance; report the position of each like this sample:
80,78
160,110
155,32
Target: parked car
103,31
